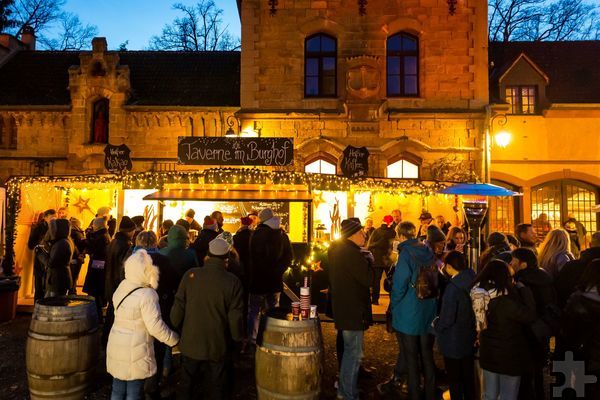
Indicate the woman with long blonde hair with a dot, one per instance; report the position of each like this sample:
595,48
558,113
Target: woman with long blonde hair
555,251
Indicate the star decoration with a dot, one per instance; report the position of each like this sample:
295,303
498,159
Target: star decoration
82,204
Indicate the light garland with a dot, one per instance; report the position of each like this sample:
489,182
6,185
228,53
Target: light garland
157,180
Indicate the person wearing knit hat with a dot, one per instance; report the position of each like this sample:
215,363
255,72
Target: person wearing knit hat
99,223
349,227
208,311
210,223
497,244
265,215
350,281
497,239
205,236
270,255
126,225
219,247
388,220
112,222
226,236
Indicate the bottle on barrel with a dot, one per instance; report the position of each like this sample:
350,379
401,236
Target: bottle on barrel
305,300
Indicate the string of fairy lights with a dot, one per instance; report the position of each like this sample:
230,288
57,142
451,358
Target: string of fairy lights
157,180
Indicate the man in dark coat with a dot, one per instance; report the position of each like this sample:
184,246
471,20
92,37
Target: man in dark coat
270,255
525,265
350,283
36,237
116,254
380,245
206,235
527,236
208,310
58,276
97,242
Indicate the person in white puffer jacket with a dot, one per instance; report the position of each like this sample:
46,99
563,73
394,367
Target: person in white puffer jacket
130,350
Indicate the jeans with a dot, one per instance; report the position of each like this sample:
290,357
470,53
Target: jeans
256,304
413,345
127,390
461,377
194,372
353,353
400,369
498,386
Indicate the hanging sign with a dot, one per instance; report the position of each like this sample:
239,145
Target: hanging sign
355,161
235,151
117,159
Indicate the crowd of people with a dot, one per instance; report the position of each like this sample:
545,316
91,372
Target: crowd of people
492,326
196,285
192,285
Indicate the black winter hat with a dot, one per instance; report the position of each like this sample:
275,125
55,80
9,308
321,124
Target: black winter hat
497,239
126,225
350,227
435,234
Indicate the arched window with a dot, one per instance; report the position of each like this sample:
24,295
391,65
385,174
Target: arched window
403,168
503,211
320,166
559,200
100,121
320,66
402,65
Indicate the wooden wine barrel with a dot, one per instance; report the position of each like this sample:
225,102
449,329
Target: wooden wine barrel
289,358
62,347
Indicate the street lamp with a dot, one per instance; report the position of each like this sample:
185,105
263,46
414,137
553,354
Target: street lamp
502,138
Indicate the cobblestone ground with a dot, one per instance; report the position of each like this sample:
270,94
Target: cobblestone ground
380,357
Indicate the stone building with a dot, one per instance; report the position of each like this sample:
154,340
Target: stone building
550,95
409,81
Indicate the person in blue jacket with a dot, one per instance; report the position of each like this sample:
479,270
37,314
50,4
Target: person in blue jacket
455,327
412,317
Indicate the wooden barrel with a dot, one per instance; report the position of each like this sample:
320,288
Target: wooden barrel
62,347
289,358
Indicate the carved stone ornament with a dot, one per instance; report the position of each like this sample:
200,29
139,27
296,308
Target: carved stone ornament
363,77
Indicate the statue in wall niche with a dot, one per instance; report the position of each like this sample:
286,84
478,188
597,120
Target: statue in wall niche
363,77
100,121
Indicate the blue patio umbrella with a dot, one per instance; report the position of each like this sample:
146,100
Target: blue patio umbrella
475,211
478,189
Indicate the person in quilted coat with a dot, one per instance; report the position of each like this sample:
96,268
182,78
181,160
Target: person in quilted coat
130,350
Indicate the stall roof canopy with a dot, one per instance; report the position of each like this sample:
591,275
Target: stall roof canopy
230,195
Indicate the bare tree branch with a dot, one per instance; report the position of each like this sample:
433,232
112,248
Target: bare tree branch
536,20
198,29
74,35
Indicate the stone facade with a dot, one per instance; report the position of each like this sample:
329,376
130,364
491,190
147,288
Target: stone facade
446,117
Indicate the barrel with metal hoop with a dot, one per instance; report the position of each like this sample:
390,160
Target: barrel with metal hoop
289,358
62,347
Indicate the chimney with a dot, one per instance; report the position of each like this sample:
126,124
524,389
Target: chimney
28,37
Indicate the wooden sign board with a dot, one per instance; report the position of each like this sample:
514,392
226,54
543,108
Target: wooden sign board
117,159
235,151
355,161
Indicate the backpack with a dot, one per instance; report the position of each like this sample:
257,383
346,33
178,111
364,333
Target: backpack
427,283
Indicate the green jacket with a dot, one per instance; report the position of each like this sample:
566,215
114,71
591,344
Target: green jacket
208,311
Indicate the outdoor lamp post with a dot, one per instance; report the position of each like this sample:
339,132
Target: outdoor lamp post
502,139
